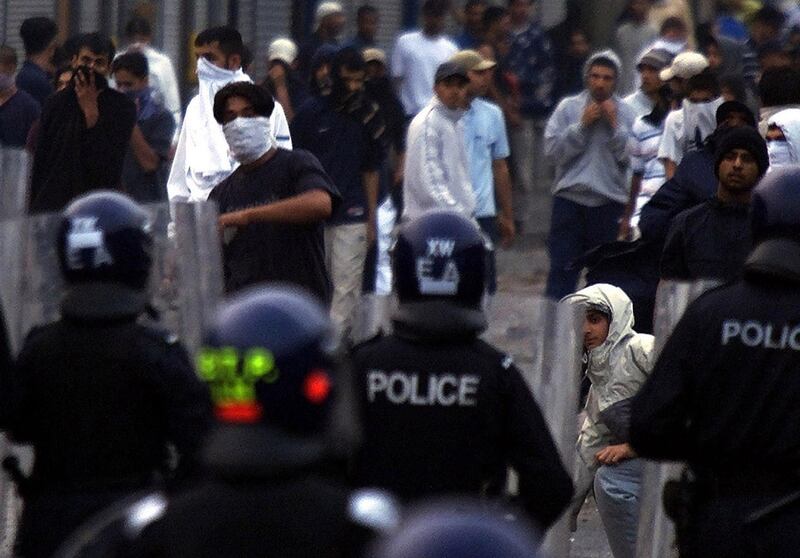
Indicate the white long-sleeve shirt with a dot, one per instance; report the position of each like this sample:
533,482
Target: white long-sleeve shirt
436,170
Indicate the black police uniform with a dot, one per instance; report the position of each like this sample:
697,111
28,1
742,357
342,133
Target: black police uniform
99,396
444,412
724,397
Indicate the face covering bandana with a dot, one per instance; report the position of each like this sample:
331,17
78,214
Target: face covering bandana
206,71
6,81
248,138
699,120
780,154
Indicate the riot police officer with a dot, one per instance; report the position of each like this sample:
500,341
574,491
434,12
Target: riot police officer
280,399
106,401
443,411
724,396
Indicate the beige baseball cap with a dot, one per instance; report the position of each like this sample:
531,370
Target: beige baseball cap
374,55
282,49
684,65
471,60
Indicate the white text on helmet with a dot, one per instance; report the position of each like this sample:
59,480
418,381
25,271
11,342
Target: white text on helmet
84,235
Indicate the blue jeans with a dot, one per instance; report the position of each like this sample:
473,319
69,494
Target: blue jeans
574,230
616,490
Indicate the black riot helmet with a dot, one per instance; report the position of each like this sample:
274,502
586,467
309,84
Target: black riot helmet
440,255
269,357
775,205
105,237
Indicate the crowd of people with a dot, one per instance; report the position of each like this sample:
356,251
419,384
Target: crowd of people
665,150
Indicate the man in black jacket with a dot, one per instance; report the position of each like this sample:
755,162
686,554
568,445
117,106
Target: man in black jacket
100,396
443,411
712,240
723,395
84,132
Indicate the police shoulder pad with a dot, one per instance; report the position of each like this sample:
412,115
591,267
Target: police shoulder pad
160,333
366,342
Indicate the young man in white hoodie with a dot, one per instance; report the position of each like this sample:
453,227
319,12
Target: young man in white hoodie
202,159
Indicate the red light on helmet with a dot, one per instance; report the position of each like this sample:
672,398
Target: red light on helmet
317,387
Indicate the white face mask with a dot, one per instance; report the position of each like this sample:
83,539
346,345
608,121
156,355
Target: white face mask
206,71
780,154
248,138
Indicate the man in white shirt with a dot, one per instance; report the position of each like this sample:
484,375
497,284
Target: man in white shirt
417,54
161,72
202,159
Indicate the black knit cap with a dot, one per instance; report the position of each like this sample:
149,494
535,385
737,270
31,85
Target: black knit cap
742,137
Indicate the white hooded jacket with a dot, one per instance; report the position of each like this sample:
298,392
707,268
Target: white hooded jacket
617,369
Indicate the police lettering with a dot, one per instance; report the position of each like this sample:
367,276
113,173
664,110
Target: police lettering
757,334
401,388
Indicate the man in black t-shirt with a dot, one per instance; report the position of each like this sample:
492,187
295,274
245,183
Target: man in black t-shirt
273,206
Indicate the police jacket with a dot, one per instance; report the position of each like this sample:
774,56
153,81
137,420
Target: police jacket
444,412
723,394
100,396
709,241
266,494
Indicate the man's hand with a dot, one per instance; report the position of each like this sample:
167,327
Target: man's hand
611,455
591,114
87,94
609,112
624,232
507,231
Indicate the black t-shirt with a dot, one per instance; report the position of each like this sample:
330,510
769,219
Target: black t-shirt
275,251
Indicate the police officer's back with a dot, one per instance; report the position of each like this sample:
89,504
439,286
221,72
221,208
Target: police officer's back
443,411
724,394
99,395
276,383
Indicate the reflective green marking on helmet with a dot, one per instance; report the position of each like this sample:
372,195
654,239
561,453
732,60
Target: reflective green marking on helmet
232,379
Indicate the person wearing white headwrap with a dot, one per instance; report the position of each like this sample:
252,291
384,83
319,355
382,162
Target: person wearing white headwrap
202,158
783,138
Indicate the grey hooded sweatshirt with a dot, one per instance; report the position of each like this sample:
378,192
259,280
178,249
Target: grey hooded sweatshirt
591,161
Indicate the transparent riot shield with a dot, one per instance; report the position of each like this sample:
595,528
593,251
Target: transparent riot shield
543,338
14,174
185,287
656,534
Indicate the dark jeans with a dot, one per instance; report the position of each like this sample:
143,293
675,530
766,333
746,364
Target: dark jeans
575,229
489,227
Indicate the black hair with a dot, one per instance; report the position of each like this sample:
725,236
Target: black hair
492,15
673,23
247,56
229,39
95,42
779,86
262,101
604,61
134,62
138,26
736,85
472,3
435,8
8,55
704,81
37,33
348,57
769,16
365,10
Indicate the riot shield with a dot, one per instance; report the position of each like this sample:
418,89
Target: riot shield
14,173
656,533
543,338
185,287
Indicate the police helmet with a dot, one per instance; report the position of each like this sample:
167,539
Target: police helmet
465,529
105,237
775,207
440,255
269,356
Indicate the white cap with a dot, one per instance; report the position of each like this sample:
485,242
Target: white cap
685,65
282,49
374,55
325,9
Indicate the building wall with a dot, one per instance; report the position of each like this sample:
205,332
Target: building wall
14,12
